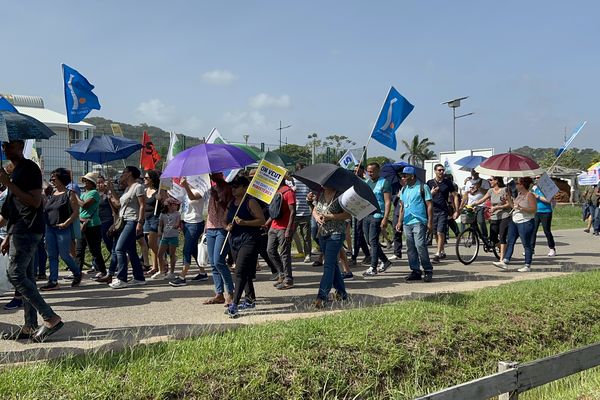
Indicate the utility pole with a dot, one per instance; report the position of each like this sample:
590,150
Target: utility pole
246,137
280,129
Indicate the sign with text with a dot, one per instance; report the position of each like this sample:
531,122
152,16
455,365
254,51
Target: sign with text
198,182
348,160
547,186
355,205
266,181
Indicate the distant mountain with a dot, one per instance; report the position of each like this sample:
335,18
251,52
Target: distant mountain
580,158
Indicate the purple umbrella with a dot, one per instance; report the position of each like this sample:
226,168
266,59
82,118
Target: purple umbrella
206,158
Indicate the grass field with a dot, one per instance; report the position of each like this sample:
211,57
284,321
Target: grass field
395,351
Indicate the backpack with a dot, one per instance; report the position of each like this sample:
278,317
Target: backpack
276,203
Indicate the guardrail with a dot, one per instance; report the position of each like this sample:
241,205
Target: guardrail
513,378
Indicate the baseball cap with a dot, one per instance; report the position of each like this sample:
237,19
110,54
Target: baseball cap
408,170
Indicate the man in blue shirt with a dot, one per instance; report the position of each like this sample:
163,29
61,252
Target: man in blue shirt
416,220
374,223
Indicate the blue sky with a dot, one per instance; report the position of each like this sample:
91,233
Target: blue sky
530,68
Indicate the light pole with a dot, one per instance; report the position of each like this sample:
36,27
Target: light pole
454,104
280,129
246,137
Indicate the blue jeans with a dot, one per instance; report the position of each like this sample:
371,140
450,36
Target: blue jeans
58,243
191,236
124,247
416,247
330,246
41,258
220,272
108,241
21,275
524,231
372,229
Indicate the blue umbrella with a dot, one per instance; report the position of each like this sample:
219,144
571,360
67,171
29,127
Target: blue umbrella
102,149
392,171
20,126
469,162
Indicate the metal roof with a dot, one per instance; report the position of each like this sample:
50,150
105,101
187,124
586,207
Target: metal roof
52,119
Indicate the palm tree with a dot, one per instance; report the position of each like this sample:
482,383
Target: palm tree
418,150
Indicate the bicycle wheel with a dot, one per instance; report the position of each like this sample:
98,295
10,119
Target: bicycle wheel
467,246
496,249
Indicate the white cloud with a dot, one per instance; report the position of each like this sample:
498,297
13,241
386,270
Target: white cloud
155,111
219,77
263,100
241,123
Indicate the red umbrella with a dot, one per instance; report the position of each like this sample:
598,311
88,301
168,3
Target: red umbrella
509,165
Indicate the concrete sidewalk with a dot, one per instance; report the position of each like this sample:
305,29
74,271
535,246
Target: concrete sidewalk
99,318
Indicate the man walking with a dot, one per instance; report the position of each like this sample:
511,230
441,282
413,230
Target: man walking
441,190
302,219
23,212
281,222
374,223
416,220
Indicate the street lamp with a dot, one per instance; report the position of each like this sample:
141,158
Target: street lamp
454,104
280,129
246,137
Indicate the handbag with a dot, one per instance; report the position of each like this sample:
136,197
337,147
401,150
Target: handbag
203,251
115,229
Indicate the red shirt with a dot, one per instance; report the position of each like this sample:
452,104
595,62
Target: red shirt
288,198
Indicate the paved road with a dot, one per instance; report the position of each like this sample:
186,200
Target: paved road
99,318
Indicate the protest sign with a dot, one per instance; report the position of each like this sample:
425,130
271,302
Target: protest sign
355,205
547,186
199,182
348,160
266,181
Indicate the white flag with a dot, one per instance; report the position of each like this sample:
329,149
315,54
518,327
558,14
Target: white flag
348,160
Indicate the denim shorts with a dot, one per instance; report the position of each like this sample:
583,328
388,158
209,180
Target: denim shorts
171,241
151,224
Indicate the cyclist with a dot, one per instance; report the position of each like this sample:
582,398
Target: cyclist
472,195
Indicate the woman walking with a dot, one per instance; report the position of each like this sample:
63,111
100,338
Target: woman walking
152,209
543,216
244,242
105,212
331,219
521,225
60,211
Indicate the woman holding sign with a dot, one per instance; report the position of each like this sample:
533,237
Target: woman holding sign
331,219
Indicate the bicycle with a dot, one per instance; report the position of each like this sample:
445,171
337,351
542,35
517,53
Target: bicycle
467,241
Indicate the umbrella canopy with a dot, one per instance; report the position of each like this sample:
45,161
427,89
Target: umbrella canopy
509,165
20,126
318,175
206,158
594,166
102,149
392,171
469,162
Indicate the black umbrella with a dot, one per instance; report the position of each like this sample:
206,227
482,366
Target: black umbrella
329,175
20,126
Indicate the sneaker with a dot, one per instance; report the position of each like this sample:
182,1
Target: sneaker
526,268
317,264
413,276
370,272
300,255
246,305
69,277
442,255
105,279
232,311
118,284
99,275
428,276
135,282
91,271
347,276
170,276
200,277
274,277
279,281
586,230
352,261
500,264
76,281
157,275
307,260
50,286
177,282
285,285
393,257
551,253
384,266
436,258
13,304
366,261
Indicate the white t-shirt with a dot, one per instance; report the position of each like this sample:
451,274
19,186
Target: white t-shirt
192,211
130,207
484,184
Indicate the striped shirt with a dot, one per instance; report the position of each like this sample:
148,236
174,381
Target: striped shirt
302,209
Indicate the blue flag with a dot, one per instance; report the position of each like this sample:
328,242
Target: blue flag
569,140
79,98
6,106
395,109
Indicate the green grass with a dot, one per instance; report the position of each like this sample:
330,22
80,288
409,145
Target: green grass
395,351
567,217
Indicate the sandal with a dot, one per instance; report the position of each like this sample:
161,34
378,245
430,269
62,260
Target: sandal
215,300
151,272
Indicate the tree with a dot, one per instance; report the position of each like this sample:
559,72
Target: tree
569,159
418,150
379,160
338,144
295,152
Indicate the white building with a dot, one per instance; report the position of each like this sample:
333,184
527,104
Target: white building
52,152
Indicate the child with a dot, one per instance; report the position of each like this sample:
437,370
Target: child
168,231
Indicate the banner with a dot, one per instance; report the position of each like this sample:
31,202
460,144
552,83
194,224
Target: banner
348,160
150,155
79,98
199,182
116,129
355,205
394,111
266,181
588,179
547,186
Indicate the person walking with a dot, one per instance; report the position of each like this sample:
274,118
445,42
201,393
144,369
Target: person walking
281,230
302,234
416,221
25,225
60,212
442,189
168,230
543,216
522,224
373,224
244,242
152,209
105,212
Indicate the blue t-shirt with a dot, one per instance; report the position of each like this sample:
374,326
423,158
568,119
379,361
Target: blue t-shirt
415,210
542,208
380,187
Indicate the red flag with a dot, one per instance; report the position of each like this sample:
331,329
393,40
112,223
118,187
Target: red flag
149,154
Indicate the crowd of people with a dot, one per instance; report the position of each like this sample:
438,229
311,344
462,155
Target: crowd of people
44,222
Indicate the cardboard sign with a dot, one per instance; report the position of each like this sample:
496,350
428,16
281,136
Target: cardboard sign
547,186
266,181
199,182
355,205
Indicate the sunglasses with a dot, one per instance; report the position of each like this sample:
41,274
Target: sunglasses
440,170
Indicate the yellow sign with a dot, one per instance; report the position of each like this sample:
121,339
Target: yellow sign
266,181
116,129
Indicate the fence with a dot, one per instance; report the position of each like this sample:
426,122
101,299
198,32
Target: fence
514,378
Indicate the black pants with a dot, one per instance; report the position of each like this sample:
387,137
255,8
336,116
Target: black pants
245,269
546,220
262,250
397,235
359,242
92,236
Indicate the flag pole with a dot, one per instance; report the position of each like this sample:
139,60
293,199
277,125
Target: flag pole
371,134
233,220
565,149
